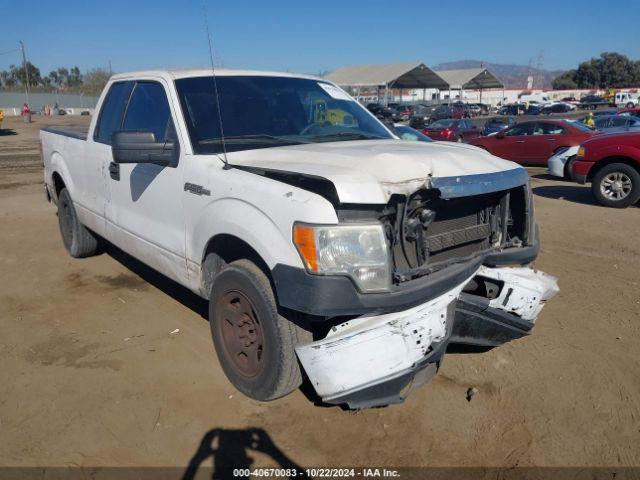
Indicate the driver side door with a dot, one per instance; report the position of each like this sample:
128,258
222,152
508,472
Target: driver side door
145,216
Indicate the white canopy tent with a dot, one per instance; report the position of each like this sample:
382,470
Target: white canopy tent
470,79
396,75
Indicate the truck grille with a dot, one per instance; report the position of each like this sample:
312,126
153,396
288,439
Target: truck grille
459,230
428,231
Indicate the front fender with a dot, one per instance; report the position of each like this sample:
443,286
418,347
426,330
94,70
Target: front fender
241,219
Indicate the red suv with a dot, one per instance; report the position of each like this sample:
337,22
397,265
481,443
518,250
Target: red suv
612,164
534,142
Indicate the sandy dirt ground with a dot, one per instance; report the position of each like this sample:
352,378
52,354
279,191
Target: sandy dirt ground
92,375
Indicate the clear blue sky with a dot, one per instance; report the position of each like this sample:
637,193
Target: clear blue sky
309,37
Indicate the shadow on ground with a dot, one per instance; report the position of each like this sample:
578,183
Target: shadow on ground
222,451
570,192
5,132
176,291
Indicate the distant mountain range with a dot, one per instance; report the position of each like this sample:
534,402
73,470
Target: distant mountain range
513,76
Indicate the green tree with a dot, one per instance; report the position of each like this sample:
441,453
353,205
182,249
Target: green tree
609,70
95,80
18,73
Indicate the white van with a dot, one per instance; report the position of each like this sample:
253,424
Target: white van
537,98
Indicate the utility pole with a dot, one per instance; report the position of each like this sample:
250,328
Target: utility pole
26,72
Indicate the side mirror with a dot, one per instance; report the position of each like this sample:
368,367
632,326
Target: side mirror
142,147
500,135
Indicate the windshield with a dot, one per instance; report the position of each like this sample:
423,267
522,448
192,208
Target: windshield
408,133
262,112
441,124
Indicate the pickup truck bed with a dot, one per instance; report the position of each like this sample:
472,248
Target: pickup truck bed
74,131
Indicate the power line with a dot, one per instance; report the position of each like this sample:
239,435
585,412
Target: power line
10,51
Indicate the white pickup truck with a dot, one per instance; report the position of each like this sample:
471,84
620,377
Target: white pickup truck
326,246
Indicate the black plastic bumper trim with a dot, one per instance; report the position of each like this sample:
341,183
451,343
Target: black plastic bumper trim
476,323
330,296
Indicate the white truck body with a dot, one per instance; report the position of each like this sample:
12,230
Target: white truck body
627,99
170,217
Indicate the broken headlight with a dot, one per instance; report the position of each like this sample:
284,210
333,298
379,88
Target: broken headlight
356,250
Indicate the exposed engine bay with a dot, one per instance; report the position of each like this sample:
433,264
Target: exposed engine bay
427,232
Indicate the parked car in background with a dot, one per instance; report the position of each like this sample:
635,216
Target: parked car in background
612,164
534,142
559,164
496,124
626,99
473,109
384,112
403,132
635,112
513,109
443,112
617,123
558,107
452,130
591,102
421,116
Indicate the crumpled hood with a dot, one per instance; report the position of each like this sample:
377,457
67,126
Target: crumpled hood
370,171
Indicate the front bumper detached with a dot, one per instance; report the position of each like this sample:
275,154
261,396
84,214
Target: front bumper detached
508,316
378,360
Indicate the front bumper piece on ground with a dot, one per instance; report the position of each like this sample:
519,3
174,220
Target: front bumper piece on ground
511,315
379,359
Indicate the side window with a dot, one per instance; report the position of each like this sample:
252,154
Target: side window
518,130
148,111
619,121
111,112
548,129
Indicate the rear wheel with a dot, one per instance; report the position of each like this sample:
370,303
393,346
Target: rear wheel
630,105
77,239
616,185
254,343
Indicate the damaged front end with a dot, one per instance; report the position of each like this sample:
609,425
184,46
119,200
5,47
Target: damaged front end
457,249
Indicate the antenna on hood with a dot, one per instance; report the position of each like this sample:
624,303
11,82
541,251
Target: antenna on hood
215,87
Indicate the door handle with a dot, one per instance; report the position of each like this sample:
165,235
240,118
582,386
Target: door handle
114,171
551,139
519,141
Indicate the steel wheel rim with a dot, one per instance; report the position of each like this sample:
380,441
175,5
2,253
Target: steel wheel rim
241,333
616,186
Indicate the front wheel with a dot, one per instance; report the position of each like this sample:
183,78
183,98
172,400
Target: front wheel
254,343
630,105
616,185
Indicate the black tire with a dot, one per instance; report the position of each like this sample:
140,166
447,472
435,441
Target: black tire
77,239
616,185
254,343
630,105
567,172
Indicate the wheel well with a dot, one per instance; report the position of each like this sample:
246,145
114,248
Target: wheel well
226,249
608,161
58,183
